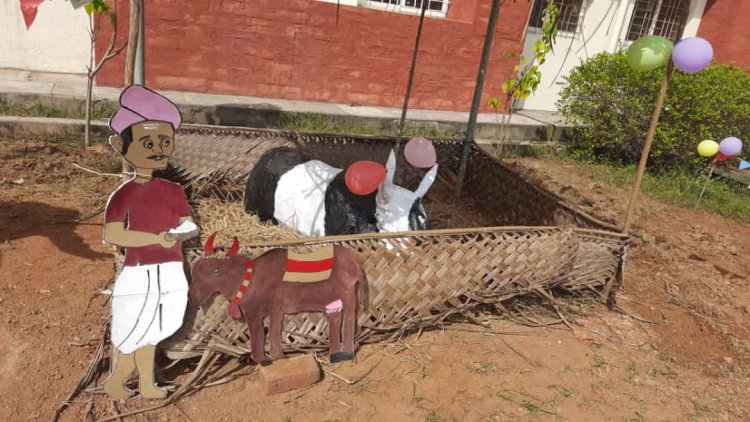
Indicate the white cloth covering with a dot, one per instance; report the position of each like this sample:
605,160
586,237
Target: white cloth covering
299,202
148,304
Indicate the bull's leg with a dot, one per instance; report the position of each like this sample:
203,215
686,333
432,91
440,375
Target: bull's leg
275,333
257,337
334,333
349,320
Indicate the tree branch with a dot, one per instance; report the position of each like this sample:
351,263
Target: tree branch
111,51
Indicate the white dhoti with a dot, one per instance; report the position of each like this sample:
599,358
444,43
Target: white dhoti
148,304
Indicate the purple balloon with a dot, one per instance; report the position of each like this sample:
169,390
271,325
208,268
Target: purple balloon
420,153
692,55
730,146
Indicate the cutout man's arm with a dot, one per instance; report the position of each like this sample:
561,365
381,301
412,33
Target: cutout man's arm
116,234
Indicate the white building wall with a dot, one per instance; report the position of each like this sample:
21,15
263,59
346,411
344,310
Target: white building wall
603,28
57,41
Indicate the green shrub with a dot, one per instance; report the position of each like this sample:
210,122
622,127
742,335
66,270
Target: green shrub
612,106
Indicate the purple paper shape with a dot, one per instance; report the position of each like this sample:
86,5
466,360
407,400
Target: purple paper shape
139,104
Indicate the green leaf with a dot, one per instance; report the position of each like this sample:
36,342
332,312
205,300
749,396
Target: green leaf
494,102
89,7
508,86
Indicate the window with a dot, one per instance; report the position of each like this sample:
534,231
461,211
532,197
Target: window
567,19
435,8
657,17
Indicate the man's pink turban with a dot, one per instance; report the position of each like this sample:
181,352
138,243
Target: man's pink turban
138,104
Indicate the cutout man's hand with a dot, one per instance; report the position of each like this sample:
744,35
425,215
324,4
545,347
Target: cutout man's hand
166,240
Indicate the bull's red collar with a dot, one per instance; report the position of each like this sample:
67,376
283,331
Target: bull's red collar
234,309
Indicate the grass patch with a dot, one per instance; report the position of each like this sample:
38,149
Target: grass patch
434,417
316,122
99,110
722,196
482,368
527,402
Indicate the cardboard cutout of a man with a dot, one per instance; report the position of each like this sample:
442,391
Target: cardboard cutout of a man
147,216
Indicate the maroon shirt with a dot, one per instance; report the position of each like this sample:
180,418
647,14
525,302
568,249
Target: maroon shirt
153,207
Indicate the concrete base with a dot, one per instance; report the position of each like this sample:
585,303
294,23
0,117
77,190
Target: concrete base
67,92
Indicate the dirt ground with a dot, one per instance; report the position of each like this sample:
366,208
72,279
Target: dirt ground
681,354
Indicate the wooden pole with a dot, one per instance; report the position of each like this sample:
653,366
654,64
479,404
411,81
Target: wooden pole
135,12
409,84
139,72
652,130
647,147
471,126
705,184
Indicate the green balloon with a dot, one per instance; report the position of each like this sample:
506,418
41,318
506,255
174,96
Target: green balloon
649,53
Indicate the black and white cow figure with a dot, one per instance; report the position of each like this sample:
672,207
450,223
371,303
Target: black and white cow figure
311,197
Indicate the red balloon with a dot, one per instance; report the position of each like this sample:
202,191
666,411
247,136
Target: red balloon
364,177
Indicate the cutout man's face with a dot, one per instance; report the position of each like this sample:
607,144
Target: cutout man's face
152,146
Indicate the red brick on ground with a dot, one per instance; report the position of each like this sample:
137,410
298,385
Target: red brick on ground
290,374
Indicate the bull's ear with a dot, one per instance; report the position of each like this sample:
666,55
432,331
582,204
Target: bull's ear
427,181
390,168
382,196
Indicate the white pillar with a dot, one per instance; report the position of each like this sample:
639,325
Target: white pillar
697,7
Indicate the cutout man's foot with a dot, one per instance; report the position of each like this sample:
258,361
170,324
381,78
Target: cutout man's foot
116,390
152,392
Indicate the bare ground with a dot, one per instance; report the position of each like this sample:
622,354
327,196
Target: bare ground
687,275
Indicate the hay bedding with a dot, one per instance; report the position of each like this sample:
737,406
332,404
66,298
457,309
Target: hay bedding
229,219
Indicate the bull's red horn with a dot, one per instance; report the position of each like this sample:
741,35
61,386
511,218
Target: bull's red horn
209,248
235,248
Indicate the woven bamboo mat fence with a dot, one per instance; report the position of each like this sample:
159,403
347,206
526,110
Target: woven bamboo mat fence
421,279
548,249
417,279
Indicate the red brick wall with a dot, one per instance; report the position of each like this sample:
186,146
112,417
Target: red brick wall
725,26
300,50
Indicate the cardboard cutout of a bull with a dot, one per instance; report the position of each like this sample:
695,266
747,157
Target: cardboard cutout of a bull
312,198
329,279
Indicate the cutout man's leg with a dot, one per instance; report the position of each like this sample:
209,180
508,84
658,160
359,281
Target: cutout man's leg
122,366
144,361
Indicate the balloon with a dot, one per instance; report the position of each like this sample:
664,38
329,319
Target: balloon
420,153
364,177
730,146
692,55
649,53
708,148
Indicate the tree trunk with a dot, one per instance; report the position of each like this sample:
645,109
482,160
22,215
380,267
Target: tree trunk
89,86
87,130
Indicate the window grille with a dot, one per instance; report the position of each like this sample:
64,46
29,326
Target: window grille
567,19
434,7
657,17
